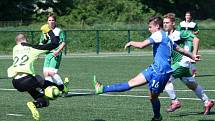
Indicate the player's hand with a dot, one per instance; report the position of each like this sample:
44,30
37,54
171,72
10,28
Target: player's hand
55,53
196,58
127,45
45,28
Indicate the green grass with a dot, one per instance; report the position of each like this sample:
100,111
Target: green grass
110,107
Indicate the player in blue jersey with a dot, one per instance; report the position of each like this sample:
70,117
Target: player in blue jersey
158,73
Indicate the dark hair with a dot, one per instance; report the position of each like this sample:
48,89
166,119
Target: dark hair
170,16
156,20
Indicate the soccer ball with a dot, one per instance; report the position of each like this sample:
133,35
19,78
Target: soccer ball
52,92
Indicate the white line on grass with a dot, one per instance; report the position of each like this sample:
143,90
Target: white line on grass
138,96
133,90
110,54
10,114
116,95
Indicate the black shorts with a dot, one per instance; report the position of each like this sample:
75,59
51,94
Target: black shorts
27,83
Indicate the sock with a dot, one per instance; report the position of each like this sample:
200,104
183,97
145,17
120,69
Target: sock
117,87
201,94
56,77
156,107
48,83
170,91
49,78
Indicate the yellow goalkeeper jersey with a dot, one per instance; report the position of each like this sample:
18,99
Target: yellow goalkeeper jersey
23,60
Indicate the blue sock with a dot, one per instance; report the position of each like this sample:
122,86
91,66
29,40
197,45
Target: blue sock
117,87
156,107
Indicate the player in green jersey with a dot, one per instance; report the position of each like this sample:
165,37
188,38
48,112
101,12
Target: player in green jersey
53,57
181,66
23,73
190,28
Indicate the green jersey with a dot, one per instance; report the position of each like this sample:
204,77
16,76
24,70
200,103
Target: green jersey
177,58
58,33
23,60
187,28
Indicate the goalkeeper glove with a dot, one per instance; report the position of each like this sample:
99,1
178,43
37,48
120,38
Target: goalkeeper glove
45,28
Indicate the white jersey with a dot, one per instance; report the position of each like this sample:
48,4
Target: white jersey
178,58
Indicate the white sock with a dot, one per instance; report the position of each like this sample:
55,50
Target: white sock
170,91
201,94
57,79
49,78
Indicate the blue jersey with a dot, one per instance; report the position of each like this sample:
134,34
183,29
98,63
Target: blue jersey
162,49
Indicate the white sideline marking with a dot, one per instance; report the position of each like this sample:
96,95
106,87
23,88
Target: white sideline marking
10,114
118,95
2,89
139,90
110,54
138,96
133,90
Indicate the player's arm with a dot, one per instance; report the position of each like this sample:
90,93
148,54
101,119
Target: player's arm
196,30
186,53
138,44
50,46
195,45
61,46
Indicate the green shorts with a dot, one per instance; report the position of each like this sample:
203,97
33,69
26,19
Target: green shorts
51,61
181,72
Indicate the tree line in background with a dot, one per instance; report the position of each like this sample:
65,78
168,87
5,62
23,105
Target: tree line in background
92,12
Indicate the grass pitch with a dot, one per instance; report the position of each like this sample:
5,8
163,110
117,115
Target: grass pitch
83,105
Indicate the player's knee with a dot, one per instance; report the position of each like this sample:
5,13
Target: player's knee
45,73
153,96
192,85
51,73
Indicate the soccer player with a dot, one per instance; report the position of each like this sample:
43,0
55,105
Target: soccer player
53,57
181,66
158,73
23,73
190,28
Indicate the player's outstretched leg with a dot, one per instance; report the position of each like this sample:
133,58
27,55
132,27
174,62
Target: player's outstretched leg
34,111
98,86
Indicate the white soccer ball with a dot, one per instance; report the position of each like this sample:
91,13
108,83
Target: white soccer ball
52,92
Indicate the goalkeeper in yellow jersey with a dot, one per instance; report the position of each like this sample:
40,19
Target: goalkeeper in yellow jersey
23,73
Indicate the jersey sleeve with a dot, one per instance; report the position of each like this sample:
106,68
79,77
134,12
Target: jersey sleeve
196,28
62,36
155,37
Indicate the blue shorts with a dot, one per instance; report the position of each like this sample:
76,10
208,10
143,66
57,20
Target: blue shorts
156,81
